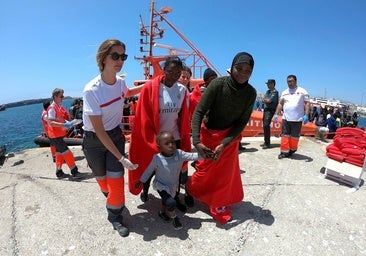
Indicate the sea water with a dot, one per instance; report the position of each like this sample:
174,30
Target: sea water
20,125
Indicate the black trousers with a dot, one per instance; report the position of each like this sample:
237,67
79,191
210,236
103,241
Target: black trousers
267,119
167,200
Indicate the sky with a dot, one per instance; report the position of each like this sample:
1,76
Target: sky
52,44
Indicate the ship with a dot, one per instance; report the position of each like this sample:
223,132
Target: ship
151,33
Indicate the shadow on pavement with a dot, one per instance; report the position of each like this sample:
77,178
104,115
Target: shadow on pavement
150,226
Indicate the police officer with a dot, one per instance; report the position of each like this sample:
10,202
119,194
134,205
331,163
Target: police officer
270,100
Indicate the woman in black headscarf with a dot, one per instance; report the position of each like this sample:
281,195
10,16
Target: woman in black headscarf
220,116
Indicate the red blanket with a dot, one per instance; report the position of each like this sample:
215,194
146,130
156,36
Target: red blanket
217,183
349,145
194,98
147,126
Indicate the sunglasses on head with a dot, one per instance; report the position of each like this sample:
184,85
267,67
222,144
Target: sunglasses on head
116,56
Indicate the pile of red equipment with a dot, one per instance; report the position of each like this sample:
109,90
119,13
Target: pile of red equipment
349,145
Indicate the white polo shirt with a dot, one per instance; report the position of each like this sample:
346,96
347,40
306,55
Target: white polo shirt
294,103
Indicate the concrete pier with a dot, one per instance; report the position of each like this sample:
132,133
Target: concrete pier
289,208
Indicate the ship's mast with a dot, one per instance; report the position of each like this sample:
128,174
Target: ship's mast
152,32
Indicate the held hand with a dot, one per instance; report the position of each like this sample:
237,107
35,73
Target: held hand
305,119
128,164
275,118
204,151
67,124
218,151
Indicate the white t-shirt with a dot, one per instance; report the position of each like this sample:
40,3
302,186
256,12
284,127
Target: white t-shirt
106,100
51,114
170,104
294,103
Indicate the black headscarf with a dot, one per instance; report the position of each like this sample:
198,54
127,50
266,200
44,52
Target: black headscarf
242,57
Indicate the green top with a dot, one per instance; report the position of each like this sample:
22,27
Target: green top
224,104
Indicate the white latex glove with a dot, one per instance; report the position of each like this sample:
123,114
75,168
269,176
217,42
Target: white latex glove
128,164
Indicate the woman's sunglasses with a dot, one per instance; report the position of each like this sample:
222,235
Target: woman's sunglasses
116,56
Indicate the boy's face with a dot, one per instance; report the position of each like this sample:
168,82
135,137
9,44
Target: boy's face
167,145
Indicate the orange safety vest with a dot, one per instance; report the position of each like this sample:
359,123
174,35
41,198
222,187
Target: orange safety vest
61,116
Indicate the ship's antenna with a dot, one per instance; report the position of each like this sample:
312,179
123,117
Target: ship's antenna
151,27
194,48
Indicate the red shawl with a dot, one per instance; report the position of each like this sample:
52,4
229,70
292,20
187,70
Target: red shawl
147,126
217,183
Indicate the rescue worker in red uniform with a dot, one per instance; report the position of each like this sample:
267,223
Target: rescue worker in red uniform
58,121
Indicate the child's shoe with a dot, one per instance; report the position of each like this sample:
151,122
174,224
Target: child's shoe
176,223
164,216
181,207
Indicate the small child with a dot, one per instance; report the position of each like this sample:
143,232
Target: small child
167,166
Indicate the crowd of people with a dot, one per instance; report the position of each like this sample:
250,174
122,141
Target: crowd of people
168,118
332,118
